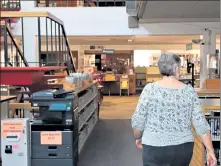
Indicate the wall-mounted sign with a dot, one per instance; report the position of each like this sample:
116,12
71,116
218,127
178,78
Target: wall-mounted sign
189,46
108,51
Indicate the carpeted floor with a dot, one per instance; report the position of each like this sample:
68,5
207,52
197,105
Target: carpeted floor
111,144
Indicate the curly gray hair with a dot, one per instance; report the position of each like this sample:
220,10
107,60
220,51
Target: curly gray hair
168,64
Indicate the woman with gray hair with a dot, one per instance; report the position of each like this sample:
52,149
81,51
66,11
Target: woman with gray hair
162,122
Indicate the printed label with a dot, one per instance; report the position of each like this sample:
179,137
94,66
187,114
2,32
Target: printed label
51,138
12,128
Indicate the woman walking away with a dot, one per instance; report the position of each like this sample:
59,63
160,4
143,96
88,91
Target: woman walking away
162,122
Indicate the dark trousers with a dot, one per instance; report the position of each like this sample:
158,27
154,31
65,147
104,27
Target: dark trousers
176,155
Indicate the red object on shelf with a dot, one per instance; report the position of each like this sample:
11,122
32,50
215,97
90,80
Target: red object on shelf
24,75
12,20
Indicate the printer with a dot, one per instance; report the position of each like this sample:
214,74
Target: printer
54,131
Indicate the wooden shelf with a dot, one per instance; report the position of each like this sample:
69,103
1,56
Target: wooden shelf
86,86
89,133
88,102
90,115
212,92
22,106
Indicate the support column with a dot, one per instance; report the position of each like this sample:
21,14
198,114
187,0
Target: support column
30,28
81,58
208,46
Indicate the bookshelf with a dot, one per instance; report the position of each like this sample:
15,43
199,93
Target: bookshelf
140,77
212,114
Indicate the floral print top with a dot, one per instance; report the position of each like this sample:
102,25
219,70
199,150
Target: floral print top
166,115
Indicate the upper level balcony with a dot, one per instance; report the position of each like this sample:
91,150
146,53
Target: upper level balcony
80,3
60,3
109,3
10,5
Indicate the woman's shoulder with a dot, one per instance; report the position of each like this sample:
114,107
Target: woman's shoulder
192,91
149,86
190,88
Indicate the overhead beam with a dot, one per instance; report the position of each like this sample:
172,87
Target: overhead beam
183,28
178,20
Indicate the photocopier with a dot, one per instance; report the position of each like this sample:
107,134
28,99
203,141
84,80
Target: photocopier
54,130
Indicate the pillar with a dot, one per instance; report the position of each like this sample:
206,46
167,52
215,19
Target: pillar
208,46
81,50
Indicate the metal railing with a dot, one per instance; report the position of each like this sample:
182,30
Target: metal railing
106,3
53,46
10,5
13,55
80,3
60,3
57,51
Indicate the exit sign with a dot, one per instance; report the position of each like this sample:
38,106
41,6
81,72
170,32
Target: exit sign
108,51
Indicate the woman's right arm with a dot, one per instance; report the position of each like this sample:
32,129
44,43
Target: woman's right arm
203,129
207,141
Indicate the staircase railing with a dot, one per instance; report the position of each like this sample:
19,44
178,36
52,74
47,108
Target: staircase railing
13,54
13,57
53,46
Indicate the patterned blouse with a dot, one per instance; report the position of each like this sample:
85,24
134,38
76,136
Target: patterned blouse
166,115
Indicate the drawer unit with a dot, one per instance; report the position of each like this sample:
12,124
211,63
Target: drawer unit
65,150
45,151
48,162
63,153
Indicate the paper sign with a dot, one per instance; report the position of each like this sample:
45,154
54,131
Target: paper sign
124,84
12,128
51,138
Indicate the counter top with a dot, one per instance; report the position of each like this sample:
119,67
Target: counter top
212,92
6,98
